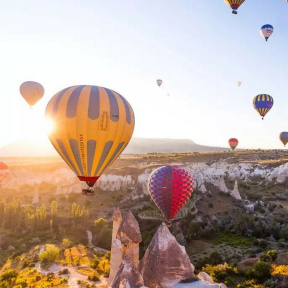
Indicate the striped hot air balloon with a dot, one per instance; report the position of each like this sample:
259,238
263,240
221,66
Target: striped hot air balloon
234,4
284,138
170,187
92,126
263,103
233,142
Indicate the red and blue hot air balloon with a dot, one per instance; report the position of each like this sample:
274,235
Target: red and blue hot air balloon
284,137
263,103
170,187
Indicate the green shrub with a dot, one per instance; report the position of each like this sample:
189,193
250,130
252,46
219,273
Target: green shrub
94,277
9,275
262,271
50,255
95,263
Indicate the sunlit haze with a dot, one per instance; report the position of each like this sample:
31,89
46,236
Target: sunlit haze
198,48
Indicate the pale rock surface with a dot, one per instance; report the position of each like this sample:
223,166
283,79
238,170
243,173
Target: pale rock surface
115,259
127,276
235,192
165,260
197,284
114,182
205,277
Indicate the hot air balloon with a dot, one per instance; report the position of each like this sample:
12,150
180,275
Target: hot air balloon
92,126
159,82
233,142
234,4
239,83
284,137
170,187
32,92
4,171
263,103
266,31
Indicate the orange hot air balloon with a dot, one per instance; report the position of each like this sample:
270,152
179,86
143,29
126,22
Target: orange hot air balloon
4,171
32,92
233,142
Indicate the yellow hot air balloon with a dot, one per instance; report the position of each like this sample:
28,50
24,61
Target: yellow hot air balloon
92,126
239,83
32,92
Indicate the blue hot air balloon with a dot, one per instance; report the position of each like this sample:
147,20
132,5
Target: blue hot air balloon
263,103
266,31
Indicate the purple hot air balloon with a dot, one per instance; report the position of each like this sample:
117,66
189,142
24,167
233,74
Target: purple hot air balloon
170,187
284,137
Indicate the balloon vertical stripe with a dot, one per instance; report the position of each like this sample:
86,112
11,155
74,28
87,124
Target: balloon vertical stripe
115,154
91,148
66,155
105,152
73,101
114,109
127,110
56,101
94,103
76,153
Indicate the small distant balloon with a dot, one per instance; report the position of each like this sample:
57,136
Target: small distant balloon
4,171
266,31
239,83
170,187
263,103
284,136
233,142
159,82
32,92
234,4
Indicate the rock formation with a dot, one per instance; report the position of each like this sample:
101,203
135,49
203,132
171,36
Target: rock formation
126,237
127,275
165,260
235,192
130,236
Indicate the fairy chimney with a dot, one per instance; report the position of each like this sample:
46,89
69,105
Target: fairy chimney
165,261
127,276
130,236
117,219
116,246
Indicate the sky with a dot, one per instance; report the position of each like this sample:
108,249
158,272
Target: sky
197,47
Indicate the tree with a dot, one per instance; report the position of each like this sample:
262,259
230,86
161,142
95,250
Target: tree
54,208
66,243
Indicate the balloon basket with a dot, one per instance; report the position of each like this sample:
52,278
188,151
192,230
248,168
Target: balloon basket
234,12
88,192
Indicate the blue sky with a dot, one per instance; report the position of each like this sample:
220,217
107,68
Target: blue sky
198,47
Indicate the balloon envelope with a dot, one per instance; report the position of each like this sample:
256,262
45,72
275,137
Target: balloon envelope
263,103
92,126
284,137
159,82
170,187
239,83
266,31
233,142
4,171
234,4
32,92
